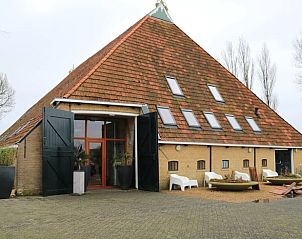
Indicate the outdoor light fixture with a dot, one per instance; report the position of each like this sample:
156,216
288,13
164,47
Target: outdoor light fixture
177,147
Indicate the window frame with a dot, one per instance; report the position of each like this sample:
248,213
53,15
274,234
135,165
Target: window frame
248,163
247,118
264,160
201,162
228,163
159,107
181,94
172,165
220,99
211,113
183,111
233,116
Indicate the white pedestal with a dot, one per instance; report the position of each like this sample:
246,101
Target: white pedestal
78,182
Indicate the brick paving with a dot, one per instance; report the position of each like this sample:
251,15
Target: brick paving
136,214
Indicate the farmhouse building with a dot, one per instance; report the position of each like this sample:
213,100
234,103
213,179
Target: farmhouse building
156,94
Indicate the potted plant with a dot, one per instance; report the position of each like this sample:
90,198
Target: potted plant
123,162
7,171
79,173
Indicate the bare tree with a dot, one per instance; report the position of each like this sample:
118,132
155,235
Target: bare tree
239,62
230,59
6,95
298,58
267,78
246,64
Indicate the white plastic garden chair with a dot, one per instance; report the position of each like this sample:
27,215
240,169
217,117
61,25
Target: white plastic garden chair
182,182
210,175
243,176
267,173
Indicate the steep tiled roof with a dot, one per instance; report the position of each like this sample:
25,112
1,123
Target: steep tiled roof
132,69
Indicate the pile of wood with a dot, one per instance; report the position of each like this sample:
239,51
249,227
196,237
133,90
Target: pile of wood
288,190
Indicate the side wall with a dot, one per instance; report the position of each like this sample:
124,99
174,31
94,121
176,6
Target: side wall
298,161
187,157
29,164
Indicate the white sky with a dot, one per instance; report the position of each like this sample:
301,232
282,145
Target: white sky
40,40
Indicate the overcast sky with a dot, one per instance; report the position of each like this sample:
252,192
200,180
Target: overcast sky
40,40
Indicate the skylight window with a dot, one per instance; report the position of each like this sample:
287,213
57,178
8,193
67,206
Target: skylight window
212,120
233,122
253,124
216,93
190,118
173,84
166,116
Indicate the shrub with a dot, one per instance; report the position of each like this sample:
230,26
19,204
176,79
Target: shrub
7,156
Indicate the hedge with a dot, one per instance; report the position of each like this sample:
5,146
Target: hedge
7,156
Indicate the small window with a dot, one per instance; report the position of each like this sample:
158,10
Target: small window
253,124
212,120
264,163
216,93
201,165
233,122
166,116
173,84
190,118
173,166
225,164
246,163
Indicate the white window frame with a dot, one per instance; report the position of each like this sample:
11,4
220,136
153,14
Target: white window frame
180,93
248,120
212,126
228,162
233,126
159,107
197,125
215,93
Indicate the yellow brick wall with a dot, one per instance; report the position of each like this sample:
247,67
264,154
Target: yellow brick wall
29,169
265,153
89,107
235,157
298,160
187,158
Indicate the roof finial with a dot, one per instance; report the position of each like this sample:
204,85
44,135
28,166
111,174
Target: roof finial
161,11
163,3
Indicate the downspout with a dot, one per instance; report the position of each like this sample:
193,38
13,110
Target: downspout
255,157
210,158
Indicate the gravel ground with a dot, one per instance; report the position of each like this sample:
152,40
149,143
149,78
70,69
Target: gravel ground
236,197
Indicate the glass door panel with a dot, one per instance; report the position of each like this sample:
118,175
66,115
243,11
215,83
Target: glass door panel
114,148
95,129
116,129
95,162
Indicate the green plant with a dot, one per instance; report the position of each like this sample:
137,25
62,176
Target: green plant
80,157
123,159
7,156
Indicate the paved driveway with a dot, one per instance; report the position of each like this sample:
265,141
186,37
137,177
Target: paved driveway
135,214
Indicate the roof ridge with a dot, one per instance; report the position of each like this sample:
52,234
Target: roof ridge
120,42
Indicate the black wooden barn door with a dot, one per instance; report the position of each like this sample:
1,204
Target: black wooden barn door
283,161
58,152
147,142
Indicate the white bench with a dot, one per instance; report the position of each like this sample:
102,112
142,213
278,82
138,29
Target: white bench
182,182
210,175
242,176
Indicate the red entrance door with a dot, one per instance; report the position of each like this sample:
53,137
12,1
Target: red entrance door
103,140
